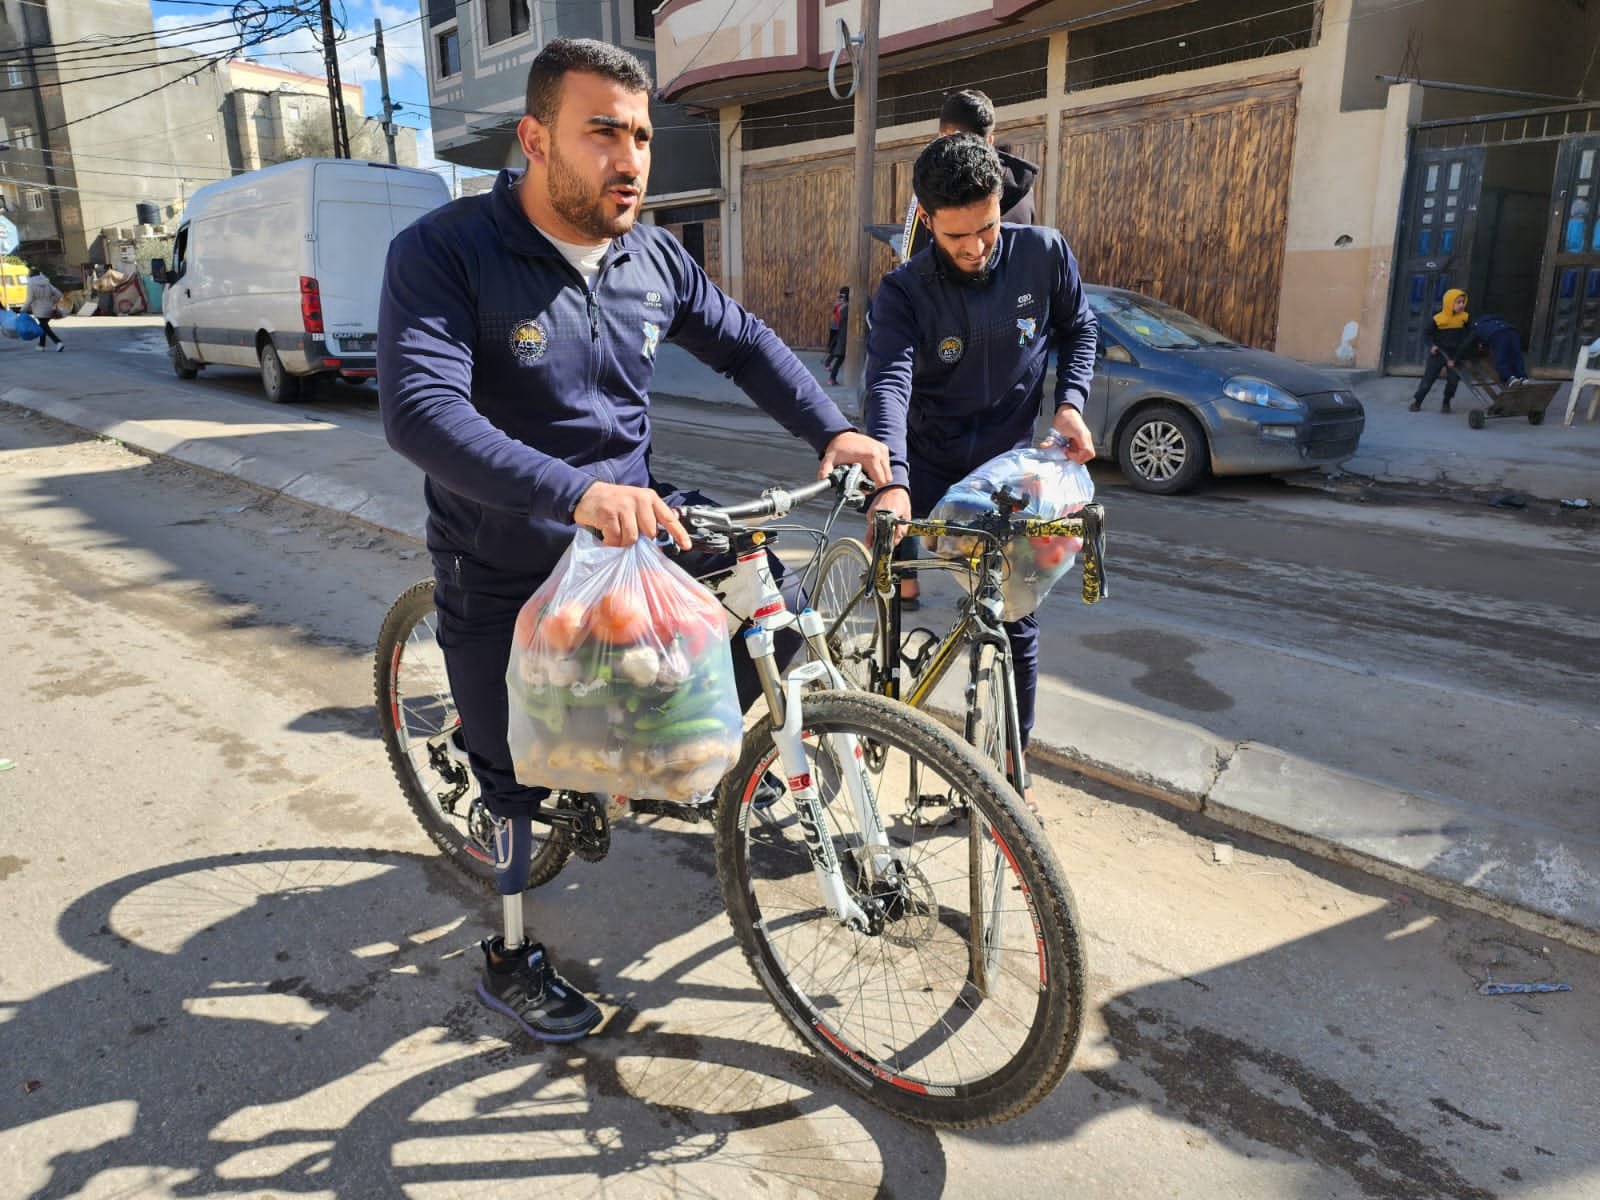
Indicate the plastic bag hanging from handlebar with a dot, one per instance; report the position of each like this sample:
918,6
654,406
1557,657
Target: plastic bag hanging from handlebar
1051,486
620,679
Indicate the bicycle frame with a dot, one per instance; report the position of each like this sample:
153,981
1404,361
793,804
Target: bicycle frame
979,621
749,593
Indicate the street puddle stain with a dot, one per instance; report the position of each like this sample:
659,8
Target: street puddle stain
1168,675
1225,1085
10,864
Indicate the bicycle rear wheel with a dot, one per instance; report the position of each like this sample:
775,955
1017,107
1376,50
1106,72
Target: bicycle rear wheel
848,612
422,735
962,1004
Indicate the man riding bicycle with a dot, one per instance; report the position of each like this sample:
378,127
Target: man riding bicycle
959,346
517,337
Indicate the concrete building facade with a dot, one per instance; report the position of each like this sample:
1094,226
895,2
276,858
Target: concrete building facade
102,127
1308,177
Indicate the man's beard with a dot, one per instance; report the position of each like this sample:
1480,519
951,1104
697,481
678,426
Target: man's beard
573,202
954,272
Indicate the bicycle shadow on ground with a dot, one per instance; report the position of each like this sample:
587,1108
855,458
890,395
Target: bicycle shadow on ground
299,1021
1329,1061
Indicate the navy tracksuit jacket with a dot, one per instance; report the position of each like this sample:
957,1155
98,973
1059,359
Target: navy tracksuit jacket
956,368
514,387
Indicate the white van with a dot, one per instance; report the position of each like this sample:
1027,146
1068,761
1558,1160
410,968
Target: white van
281,269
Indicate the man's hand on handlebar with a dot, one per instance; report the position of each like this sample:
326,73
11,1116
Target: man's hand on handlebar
895,500
852,447
621,515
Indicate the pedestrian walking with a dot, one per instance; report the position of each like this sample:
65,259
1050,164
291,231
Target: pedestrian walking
1449,337
838,322
43,298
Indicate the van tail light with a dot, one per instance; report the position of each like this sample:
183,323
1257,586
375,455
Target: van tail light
310,304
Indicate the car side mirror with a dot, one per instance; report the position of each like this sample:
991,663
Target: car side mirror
170,278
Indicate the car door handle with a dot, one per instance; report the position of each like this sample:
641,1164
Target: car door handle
186,292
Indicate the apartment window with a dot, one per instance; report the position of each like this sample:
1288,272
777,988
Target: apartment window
36,201
3,136
14,74
441,12
449,44
507,18
644,19
23,137
294,112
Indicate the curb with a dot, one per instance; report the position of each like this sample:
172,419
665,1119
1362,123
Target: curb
1245,786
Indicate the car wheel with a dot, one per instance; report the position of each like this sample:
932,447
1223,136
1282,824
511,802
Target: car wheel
1162,450
182,365
280,386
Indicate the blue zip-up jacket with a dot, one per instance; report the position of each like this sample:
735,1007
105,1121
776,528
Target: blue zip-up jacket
514,387
955,368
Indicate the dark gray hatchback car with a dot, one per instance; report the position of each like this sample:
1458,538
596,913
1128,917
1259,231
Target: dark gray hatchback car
1173,399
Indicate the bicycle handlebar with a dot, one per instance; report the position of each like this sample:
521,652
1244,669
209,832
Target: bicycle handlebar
776,502
996,528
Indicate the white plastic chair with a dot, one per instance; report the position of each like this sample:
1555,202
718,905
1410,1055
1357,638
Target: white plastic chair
1584,375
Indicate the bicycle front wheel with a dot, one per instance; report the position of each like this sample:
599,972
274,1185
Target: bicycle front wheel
422,735
844,601
962,1002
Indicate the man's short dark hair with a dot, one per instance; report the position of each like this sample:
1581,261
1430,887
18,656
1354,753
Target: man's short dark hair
955,171
562,55
968,111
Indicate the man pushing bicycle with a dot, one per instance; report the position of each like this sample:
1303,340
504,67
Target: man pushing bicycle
516,344
959,347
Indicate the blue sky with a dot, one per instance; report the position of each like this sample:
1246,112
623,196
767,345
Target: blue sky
298,50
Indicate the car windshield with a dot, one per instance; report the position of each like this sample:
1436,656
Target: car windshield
1152,323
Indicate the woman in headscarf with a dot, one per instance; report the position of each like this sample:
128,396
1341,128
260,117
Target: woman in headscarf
1449,336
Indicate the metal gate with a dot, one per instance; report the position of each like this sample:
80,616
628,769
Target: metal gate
1569,286
1441,220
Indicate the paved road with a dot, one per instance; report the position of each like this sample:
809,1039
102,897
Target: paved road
235,967
1439,647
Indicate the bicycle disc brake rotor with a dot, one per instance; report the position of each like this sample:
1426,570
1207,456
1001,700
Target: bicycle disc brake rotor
904,909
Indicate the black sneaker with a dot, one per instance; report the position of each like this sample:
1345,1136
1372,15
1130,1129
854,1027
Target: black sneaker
524,985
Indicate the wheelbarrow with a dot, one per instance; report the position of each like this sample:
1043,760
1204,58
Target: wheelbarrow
1525,398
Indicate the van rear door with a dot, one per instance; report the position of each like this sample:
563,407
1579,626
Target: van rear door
359,209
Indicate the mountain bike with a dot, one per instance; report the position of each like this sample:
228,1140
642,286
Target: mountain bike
938,971
858,596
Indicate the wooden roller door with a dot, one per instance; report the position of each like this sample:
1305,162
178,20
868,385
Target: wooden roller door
795,221
1185,197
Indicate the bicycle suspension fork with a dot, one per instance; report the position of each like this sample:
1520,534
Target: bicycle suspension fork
786,701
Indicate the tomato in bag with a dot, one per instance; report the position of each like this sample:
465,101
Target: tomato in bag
621,678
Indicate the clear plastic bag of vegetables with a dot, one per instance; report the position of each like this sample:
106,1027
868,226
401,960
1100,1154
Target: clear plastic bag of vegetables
1053,486
621,678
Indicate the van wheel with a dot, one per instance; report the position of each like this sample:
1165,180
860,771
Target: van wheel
181,363
280,386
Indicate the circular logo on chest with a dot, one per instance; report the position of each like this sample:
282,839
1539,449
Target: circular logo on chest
950,349
529,341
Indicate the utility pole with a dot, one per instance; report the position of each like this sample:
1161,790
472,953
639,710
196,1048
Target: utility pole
383,82
330,59
865,65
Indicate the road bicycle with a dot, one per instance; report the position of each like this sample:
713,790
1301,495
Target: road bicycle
858,595
938,971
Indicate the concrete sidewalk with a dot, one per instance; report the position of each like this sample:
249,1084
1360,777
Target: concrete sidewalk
1494,861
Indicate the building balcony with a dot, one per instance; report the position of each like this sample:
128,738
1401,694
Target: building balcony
711,53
